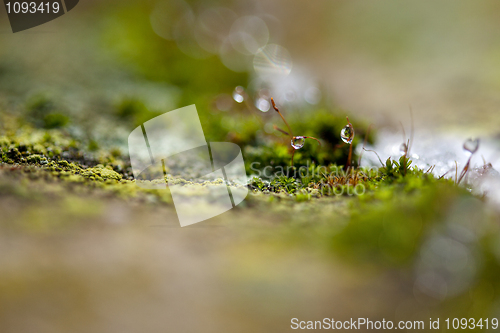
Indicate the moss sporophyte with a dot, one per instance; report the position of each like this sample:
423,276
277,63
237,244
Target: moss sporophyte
347,135
58,154
296,142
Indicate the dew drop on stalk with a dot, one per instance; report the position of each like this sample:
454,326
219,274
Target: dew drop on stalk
298,142
347,134
262,104
471,145
238,94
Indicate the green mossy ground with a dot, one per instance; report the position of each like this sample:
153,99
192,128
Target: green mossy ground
384,227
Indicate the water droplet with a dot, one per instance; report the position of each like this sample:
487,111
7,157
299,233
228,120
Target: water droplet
238,94
262,104
347,134
471,145
298,142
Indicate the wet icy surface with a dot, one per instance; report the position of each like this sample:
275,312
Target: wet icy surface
446,153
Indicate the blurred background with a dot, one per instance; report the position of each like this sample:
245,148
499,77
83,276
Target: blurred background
373,61
104,68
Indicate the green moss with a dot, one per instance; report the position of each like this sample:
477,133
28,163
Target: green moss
55,120
389,230
14,155
4,143
34,159
105,173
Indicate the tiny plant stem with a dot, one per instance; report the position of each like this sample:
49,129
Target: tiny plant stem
405,143
310,137
280,130
406,163
349,157
447,172
373,151
464,171
288,126
253,110
277,110
403,129
412,131
364,143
